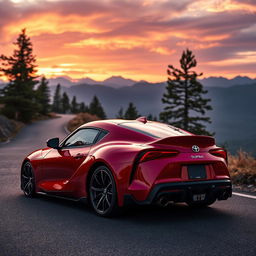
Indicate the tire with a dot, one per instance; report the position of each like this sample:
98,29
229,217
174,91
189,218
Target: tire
27,179
103,193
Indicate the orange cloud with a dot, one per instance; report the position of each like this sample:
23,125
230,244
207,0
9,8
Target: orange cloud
55,24
216,6
121,43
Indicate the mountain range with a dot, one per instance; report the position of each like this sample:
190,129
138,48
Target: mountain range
119,81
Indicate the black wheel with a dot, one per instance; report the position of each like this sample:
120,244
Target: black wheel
28,180
102,192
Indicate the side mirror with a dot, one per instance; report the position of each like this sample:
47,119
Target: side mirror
53,143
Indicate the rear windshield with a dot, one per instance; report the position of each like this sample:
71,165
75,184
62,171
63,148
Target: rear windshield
154,129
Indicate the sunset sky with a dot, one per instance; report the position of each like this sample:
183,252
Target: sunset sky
133,38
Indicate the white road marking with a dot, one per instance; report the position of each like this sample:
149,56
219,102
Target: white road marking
243,195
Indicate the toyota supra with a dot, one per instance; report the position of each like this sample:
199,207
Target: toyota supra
113,163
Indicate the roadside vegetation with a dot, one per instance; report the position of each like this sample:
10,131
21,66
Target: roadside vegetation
80,119
242,167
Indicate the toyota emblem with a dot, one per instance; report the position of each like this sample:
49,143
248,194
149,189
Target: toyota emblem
195,148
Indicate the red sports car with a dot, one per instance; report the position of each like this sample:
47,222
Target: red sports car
113,163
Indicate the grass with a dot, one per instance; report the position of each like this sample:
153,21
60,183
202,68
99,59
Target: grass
242,167
80,119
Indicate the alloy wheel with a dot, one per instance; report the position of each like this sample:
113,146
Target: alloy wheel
27,180
102,191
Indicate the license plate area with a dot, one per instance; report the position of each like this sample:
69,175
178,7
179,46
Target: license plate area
196,171
198,197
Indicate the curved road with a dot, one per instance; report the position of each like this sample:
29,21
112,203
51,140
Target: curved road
46,226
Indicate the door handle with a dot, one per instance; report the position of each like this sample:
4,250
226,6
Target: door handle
79,155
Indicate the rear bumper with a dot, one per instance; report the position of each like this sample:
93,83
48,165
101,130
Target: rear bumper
184,191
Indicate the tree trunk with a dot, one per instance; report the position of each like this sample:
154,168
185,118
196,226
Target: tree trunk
186,103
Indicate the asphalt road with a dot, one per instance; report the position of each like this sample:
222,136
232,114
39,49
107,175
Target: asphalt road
47,226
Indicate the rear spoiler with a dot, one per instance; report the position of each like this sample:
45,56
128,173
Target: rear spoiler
186,141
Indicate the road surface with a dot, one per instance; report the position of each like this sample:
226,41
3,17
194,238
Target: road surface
47,226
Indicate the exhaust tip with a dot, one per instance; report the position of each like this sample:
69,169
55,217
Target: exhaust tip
163,201
224,196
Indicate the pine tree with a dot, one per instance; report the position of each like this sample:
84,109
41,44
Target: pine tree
65,103
19,96
131,112
83,108
56,105
186,106
120,114
151,117
96,108
43,96
74,105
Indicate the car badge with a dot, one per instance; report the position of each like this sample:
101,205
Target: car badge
195,148
197,156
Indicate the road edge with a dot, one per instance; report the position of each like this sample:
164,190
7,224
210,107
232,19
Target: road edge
244,195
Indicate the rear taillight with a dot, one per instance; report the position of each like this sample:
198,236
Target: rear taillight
152,155
220,152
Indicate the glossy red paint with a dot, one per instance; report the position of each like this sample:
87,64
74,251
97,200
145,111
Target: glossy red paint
139,162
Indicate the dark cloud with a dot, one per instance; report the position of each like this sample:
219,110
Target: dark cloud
6,13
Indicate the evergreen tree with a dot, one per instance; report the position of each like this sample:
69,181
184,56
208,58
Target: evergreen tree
74,105
65,103
151,117
96,108
83,108
131,112
20,69
186,106
56,105
43,96
120,114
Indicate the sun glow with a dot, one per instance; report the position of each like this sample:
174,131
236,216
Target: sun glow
52,23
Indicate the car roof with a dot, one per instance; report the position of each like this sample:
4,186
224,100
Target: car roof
151,129
111,121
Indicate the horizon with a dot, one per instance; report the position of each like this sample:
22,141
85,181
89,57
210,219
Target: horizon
100,39
77,80
128,78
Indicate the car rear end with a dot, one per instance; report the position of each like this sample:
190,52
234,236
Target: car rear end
181,168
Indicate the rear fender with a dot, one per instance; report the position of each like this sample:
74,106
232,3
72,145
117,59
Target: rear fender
119,159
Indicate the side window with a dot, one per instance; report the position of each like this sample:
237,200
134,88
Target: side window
101,136
82,137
